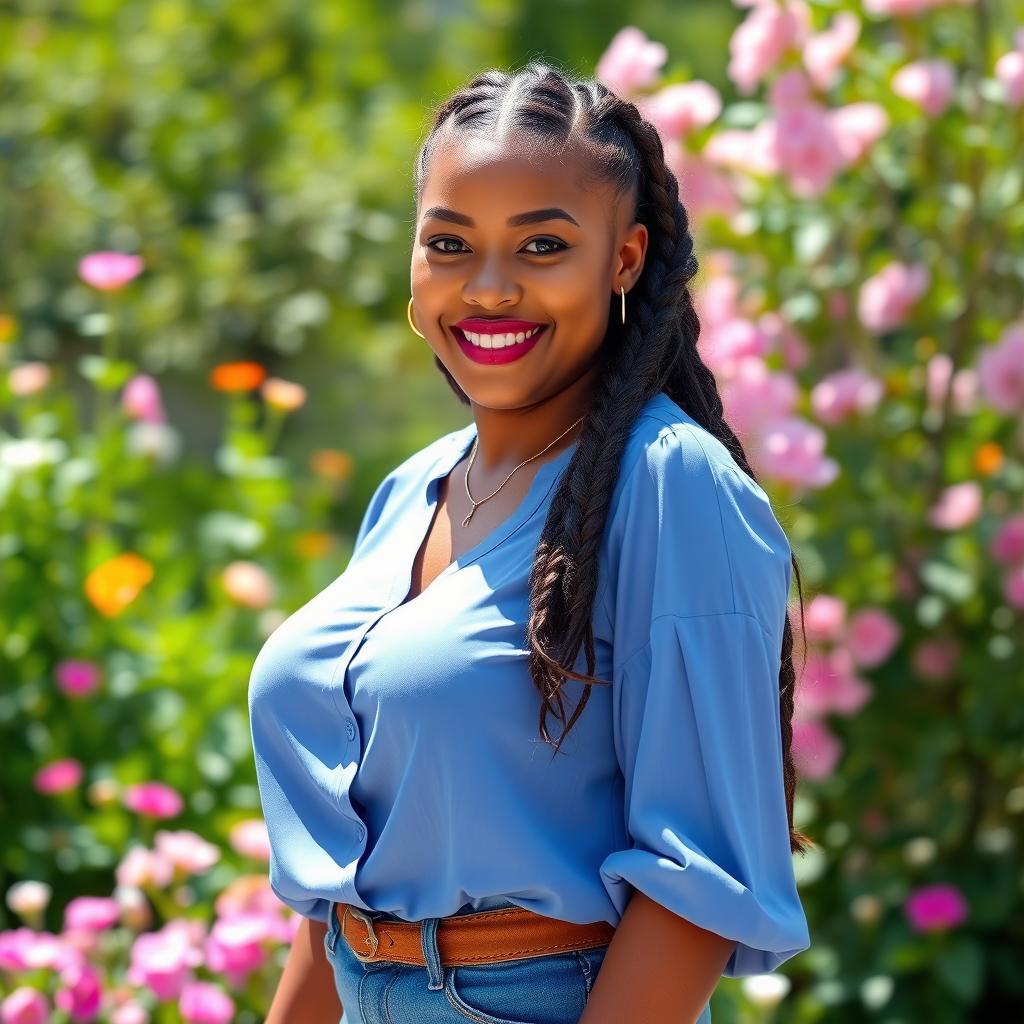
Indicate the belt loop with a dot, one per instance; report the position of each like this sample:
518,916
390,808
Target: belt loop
431,953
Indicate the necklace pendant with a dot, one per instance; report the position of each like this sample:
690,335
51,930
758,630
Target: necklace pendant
465,522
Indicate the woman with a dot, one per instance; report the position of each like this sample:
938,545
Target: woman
593,540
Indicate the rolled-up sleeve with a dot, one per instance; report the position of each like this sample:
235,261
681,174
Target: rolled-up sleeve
696,702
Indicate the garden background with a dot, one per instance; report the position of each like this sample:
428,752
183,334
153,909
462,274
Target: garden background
205,370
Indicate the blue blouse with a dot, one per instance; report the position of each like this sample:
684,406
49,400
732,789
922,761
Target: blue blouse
397,751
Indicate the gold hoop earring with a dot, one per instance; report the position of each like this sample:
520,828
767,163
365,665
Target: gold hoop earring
623,291
408,313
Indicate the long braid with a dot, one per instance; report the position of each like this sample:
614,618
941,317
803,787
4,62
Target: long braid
656,352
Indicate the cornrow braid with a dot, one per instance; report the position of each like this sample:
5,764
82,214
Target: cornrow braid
655,352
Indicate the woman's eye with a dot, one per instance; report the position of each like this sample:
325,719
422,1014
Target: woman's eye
548,241
441,241
551,242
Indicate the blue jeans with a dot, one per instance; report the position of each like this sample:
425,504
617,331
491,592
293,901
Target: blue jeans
551,989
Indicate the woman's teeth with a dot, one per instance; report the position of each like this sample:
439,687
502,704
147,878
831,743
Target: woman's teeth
499,340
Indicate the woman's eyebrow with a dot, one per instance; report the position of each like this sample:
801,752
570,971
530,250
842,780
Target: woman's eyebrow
519,219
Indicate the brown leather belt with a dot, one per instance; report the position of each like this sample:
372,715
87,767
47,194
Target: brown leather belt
486,937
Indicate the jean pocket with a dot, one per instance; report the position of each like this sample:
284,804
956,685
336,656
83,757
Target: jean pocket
548,989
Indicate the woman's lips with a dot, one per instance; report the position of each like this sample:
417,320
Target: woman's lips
495,356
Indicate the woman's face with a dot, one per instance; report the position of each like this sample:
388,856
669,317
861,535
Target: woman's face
507,240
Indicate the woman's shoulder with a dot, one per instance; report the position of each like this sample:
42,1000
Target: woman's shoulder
682,500
665,439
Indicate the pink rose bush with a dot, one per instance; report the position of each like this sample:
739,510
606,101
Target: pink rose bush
203,970
872,364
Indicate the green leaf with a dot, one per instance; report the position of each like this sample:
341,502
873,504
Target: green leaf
106,373
961,970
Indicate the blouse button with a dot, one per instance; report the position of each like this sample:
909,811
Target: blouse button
350,728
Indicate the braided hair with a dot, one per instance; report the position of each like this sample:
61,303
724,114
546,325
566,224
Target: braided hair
656,352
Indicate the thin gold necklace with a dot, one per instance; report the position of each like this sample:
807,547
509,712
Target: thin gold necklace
465,522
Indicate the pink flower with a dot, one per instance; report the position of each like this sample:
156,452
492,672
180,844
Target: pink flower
29,378
856,127
844,394
204,1003
935,908
927,83
752,152
825,52
760,42
58,776
806,149
784,339
1009,71
77,677
703,190
681,108
153,799
140,399
908,8
631,62
830,684
871,636
248,584
23,949
825,618
936,659
237,945
82,997
755,396
186,850
816,751
793,450
790,90
1001,370
250,839
140,867
109,271
965,384
91,912
724,346
958,506
1013,587
25,1006
1007,546
130,1012
886,298
163,961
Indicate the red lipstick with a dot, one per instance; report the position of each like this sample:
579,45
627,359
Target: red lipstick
493,342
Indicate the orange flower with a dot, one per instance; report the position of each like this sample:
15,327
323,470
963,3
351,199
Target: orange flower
332,464
115,583
313,544
988,458
241,376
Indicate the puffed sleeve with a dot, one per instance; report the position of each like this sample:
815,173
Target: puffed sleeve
703,577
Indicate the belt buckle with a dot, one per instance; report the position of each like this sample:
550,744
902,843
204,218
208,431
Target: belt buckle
372,939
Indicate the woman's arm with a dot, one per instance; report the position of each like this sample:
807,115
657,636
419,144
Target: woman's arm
659,968
306,991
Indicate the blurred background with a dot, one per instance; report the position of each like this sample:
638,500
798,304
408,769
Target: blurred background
206,369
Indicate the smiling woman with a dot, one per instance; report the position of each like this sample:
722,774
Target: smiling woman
623,557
